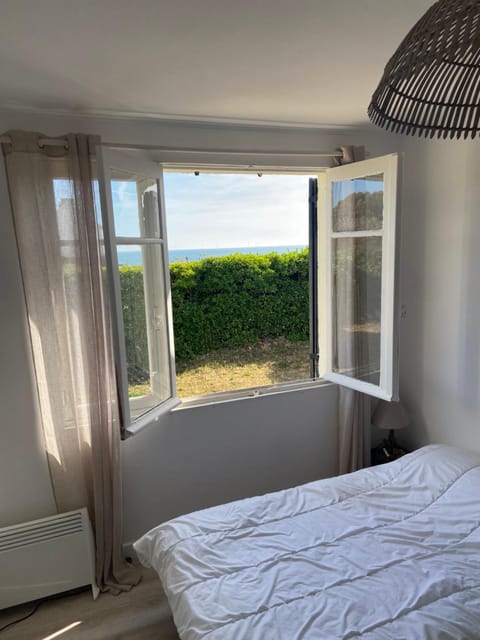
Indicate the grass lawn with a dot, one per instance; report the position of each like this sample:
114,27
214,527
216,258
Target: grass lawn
266,362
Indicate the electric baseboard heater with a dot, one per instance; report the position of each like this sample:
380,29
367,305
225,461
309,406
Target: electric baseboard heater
47,556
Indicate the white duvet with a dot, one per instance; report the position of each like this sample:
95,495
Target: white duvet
387,552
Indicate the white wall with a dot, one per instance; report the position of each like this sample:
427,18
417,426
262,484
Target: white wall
208,455
198,456
25,490
150,132
440,333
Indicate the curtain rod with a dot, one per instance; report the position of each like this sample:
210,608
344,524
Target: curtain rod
42,142
58,142
249,152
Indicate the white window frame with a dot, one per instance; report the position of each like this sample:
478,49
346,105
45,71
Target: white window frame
108,160
387,389
274,169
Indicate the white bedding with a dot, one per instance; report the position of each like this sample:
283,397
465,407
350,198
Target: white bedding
387,552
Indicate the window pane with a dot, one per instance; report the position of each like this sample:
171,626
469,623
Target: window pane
142,286
239,268
358,204
135,206
357,281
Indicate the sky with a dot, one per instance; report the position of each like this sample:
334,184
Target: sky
224,210
214,210
342,189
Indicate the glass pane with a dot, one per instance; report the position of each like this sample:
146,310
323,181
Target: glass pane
142,287
358,204
239,268
135,206
357,283
66,220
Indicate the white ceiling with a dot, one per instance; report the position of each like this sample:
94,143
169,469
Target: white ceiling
313,62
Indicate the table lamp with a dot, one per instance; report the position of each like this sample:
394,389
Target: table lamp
391,416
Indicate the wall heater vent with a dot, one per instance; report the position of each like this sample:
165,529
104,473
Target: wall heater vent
46,556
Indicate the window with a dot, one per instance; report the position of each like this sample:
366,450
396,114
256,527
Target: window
349,281
239,268
357,301
134,221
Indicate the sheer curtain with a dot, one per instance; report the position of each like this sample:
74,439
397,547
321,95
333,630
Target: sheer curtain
354,408
56,217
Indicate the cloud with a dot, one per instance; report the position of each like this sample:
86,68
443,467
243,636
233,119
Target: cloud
223,210
227,210
125,208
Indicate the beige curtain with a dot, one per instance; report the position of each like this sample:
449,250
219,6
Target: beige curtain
354,410
354,425
56,217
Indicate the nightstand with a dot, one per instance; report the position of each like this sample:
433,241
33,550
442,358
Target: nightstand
379,455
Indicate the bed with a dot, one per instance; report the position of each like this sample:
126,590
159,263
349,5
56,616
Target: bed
389,552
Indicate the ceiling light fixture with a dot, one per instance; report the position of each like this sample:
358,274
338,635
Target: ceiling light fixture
431,85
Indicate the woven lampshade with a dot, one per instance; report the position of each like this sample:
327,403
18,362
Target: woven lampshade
431,85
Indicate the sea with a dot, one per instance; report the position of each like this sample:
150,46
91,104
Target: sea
134,257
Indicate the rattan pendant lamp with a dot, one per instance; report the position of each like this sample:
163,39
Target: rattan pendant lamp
431,85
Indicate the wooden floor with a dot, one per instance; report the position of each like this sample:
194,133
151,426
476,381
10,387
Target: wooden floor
142,613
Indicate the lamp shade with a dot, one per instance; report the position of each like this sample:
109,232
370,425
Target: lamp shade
431,85
390,415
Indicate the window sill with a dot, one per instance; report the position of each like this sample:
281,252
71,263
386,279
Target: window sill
253,392
176,404
150,417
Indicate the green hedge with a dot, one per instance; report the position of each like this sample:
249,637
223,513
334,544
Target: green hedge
239,299
221,302
236,300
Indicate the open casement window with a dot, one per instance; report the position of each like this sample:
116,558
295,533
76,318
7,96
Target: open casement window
357,237
133,214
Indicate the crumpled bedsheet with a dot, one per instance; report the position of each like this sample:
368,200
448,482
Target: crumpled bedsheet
388,552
